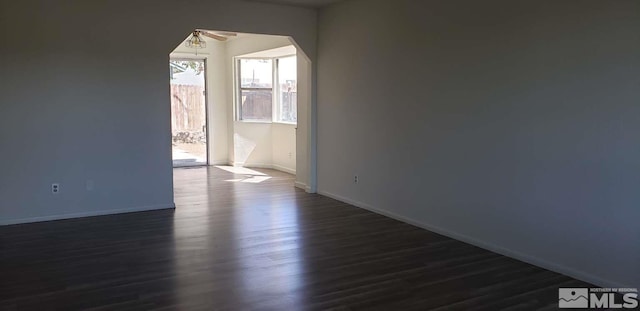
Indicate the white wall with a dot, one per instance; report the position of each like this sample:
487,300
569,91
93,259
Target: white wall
305,141
74,107
266,145
283,137
252,144
512,125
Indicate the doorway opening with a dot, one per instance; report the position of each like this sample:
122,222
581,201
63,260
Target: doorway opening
256,114
189,134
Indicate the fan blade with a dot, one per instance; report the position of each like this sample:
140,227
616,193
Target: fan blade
226,33
212,36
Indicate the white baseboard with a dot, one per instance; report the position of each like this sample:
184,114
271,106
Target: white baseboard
265,165
303,186
577,274
219,163
86,214
284,169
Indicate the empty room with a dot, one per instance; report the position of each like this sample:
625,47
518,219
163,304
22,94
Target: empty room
319,155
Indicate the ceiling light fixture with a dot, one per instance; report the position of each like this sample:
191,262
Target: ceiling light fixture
196,42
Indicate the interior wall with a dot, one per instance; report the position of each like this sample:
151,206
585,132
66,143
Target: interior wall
305,141
284,147
510,125
252,144
75,108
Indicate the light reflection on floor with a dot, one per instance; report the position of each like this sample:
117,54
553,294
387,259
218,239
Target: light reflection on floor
240,234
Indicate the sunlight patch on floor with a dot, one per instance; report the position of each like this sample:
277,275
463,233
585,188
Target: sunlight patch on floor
251,179
240,170
251,176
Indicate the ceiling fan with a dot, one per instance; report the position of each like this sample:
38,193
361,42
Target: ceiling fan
197,42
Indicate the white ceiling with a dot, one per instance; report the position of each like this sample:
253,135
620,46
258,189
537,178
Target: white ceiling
305,3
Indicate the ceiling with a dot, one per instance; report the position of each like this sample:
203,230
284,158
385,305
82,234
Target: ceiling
304,3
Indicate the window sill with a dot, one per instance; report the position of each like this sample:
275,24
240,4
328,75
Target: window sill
254,121
268,122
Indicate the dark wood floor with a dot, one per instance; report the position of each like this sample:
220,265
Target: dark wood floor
241,242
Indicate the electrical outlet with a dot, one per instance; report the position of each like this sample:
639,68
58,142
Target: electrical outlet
355,179
55,188
290,155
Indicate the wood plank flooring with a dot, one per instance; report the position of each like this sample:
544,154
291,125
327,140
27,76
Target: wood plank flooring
254,242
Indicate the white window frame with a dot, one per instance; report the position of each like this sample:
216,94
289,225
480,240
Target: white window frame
275,90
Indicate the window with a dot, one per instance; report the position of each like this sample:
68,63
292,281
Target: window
267,89
256,89
287,109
